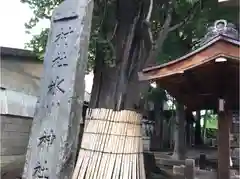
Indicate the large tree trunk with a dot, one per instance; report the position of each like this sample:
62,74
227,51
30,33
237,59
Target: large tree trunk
118,87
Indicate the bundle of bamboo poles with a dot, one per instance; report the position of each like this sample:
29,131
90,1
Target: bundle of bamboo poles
111,146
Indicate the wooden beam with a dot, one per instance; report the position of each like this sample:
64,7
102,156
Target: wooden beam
224,120
226,3
193,86
203,89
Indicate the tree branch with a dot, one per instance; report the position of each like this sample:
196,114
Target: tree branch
114,31
162,35
149,11
192,11
46,16
147,24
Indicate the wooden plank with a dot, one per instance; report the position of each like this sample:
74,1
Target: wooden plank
54,135
229,43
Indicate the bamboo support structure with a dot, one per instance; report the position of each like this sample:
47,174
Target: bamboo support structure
111,146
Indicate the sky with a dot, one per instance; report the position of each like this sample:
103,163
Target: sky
13,15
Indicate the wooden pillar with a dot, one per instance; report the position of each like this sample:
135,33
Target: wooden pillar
224,119
182,141
179,148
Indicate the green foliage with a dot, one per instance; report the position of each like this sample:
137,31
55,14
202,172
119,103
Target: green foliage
101,25
156,95
42,9
173,48
211,124
186,38
211,120
38,43
178,42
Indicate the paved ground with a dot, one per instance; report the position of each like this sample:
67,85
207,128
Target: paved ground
11,166
165,174
15,174
211,155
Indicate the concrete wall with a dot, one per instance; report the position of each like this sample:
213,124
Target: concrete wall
20,84
14,134
21,74
14,137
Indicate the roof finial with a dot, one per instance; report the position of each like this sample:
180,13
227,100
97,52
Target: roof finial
221,27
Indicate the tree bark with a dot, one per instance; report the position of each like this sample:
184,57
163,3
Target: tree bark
179,145
118,87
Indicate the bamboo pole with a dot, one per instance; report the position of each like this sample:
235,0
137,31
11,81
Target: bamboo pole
114,139
84,155
111,146
99,142
117,169
104,142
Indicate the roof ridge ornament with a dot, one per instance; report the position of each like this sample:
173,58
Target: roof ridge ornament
220,27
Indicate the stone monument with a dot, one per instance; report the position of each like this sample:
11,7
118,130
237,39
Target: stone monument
53,141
